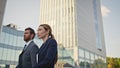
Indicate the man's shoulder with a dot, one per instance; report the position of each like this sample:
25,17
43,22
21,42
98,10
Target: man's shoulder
33,44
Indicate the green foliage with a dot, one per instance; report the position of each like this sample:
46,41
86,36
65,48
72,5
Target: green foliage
113,62
99,63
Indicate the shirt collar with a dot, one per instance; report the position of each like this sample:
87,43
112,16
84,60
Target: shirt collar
28,42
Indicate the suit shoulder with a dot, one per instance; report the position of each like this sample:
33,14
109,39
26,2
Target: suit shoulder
34,45
52,40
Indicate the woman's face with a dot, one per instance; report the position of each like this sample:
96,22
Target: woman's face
41,32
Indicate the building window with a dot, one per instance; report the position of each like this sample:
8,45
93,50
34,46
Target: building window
7,38
92,56
4,56
11,40
96,22
2,40
87,55
81,53
1,53
82,63
87,63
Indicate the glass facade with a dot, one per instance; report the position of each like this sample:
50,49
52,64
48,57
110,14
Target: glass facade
11,45
96,22
65,55
91,60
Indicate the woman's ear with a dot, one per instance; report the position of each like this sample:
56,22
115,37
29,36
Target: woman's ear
48,32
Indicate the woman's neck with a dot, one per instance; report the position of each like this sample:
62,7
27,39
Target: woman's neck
45,38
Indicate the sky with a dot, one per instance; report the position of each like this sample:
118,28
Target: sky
25,13
111,23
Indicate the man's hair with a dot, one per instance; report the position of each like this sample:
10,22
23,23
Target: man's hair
31,31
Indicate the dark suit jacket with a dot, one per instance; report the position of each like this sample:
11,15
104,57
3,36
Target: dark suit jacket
27,59
46,54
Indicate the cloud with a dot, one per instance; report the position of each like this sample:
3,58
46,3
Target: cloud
105,11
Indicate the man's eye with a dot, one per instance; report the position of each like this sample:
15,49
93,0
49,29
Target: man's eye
39,30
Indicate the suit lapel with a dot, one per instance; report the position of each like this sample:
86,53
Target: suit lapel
43,46
27,47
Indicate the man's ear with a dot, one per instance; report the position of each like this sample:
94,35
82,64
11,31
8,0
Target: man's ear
32,35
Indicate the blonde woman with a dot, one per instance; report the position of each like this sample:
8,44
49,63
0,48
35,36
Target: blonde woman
47,54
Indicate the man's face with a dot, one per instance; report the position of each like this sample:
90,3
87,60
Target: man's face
27,35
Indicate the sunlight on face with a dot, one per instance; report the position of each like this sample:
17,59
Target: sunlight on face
41,32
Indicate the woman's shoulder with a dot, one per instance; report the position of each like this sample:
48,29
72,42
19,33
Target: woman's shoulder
51,40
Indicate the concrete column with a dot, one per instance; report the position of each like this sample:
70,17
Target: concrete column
76,58
2,10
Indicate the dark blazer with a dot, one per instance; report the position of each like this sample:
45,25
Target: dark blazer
47,54
27,59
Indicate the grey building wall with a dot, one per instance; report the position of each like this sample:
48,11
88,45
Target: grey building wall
88,18
2,8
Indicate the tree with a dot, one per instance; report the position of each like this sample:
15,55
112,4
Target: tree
113,62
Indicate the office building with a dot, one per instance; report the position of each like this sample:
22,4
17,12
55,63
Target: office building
78,27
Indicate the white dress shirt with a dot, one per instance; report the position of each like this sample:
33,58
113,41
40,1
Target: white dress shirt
27,43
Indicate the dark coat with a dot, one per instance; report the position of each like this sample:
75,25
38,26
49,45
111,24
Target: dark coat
47,54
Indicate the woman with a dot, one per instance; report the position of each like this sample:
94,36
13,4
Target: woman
47,54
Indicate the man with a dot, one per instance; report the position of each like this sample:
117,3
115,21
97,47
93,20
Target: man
27,59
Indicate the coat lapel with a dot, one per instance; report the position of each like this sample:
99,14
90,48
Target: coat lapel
43,46
27,47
